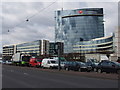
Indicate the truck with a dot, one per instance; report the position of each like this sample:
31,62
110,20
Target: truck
20,59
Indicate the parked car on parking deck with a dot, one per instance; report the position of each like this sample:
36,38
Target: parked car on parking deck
108,67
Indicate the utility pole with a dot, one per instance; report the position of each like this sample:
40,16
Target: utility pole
59,57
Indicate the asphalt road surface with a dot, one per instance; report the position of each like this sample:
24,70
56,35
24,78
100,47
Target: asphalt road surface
26,77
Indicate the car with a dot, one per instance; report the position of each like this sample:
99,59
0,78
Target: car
75,66
49,63
1,61
35,62
62,61
8,62
92,65
71,65
108,67
62,64
84,66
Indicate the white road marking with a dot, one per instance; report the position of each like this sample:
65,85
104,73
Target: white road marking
25,73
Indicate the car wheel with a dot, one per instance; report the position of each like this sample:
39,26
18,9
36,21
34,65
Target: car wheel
37,66
30,65
67,69
42,67
79,70
95,70
50,67
118,71
99,71
107,72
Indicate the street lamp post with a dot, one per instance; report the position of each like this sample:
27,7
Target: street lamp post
80,53
81,39
58,57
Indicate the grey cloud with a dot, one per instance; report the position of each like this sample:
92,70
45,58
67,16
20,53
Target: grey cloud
119,13
41,26
110,15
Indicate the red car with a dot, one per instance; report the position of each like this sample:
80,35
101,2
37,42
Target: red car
35,62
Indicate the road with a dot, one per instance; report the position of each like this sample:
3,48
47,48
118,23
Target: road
26,77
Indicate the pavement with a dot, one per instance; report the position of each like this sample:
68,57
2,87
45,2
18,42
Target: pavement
27,77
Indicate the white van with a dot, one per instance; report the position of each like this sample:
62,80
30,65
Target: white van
49,63
62,61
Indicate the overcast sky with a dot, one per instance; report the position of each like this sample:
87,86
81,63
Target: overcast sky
41,24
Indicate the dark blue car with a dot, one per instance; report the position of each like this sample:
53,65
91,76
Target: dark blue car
108,67
76,66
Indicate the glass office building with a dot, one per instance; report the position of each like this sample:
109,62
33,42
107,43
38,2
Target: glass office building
34,48
38,47
104,45
8,51
29,47
54,46
77,25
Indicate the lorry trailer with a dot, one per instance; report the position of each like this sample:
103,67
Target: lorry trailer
21,59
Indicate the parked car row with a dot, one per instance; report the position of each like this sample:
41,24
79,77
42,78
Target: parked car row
51,63
103,66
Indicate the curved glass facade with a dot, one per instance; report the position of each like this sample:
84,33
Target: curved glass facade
100,45
78,25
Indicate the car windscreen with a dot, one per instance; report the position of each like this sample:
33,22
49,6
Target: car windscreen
62,59
117,63
26,58
38,60
81,63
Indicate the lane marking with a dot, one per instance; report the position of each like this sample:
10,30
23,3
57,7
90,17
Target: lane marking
25,73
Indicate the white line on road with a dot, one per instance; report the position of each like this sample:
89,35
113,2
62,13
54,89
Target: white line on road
25,73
